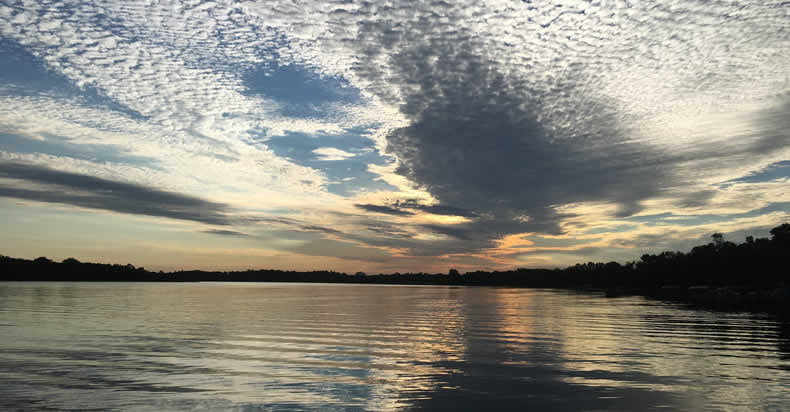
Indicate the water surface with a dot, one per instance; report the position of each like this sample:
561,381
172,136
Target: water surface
244,346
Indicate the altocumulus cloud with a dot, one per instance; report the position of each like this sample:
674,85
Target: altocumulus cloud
487,141
515,116
517,138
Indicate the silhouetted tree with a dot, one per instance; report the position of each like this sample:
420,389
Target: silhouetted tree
781,233
718,239
756,266
454,276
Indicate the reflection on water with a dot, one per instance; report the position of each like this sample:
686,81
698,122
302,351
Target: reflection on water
302,346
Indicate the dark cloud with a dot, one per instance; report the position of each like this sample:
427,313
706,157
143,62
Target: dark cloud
316,228
772,129
454,231
225,232
485,139
97,193
270,220
435,209
383,209
507,146
283,221
386,229
696,199
399,208
448,211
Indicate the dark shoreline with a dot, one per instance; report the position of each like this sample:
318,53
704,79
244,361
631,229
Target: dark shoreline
722,298
753,276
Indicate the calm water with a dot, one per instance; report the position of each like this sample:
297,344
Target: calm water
210,346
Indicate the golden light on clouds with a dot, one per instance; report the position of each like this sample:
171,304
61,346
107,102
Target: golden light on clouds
442,219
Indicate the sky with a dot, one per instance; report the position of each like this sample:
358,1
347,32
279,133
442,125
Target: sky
389,136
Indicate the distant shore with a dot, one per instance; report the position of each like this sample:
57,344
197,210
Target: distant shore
721,298
751,276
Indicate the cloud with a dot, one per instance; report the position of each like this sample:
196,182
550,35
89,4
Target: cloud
317,228
222,232
284,222
456,232
495,128
387,229
53,186
330,153
407,206
486,140
519,117
383,209
341,249
778,171
435,209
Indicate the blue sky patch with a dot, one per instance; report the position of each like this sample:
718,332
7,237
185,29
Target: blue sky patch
650,220
705,219
346,176
23,74
614,229
778,170
301,92
60,147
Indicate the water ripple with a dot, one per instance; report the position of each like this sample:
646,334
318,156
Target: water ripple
84,346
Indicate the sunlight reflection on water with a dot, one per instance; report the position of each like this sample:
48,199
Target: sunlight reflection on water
309,346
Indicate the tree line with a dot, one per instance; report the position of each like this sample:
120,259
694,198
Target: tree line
754,264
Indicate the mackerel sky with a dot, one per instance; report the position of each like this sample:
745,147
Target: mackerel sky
389,136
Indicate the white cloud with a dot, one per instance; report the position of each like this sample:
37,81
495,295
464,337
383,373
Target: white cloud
685,78
331,153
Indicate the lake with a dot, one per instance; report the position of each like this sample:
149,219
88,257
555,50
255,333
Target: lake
280,346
